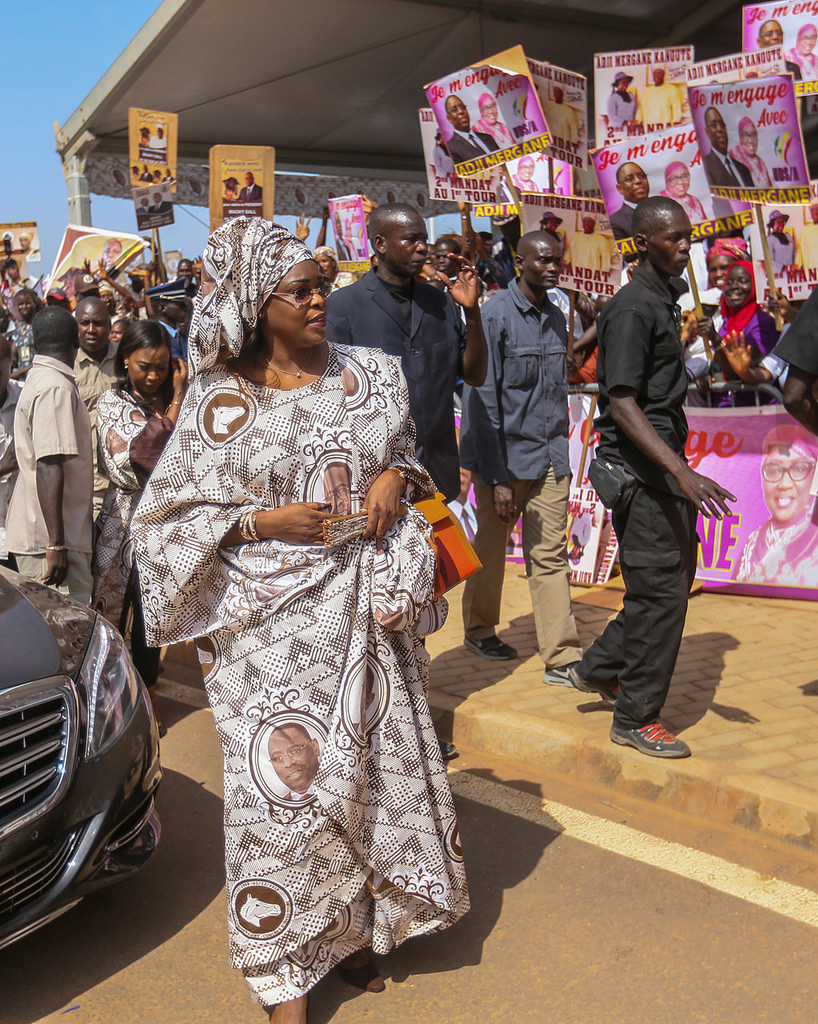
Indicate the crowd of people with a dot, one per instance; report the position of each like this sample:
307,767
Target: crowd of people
174,464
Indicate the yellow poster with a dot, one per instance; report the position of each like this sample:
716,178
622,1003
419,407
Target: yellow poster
153,142
242,182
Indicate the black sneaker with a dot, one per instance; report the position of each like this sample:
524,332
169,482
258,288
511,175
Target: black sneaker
606,690
652,739
490,647
447,750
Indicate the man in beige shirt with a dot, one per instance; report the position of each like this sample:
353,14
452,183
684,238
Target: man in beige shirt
94,370
48,527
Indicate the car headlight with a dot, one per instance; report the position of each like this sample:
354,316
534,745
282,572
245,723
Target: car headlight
112,686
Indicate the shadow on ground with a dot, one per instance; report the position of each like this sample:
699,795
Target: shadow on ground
114,927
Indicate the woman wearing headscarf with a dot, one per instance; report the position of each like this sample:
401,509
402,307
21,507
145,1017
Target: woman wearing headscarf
677,183
340,831
327,259
746,152
784,549
489,123
801,54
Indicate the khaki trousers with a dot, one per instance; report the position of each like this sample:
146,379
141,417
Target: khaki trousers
544,505
78,583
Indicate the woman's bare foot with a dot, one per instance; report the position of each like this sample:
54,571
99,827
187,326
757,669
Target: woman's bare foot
294,1011
360,970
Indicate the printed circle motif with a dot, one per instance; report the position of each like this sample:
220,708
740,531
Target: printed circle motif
209,656
224,416
296,739
261,908
366,698
451,842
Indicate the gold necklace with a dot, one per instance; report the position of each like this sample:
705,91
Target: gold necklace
290,373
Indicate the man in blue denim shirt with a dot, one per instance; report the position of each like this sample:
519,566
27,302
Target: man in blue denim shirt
514,438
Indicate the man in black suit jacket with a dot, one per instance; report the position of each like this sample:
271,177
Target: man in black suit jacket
390,310
251,193
721,169
465,144
633,185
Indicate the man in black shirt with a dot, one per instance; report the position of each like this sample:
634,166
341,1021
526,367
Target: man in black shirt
643,430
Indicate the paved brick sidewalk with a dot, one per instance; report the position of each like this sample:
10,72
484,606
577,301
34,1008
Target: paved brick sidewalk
744,696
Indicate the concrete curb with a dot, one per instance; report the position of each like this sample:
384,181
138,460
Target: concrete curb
769,807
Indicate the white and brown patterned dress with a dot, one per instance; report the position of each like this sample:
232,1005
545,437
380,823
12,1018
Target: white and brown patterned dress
340,826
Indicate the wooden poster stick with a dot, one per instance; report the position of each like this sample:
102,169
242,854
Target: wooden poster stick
551,174
586,441
768,262
572,310
697,305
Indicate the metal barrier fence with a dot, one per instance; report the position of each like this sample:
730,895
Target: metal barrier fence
705,400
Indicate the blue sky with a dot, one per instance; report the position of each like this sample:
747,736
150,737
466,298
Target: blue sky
53,54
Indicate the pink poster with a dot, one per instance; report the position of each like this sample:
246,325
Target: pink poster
489,113
792,238
769,545
351,243
750,137
665,163
531,174
794,28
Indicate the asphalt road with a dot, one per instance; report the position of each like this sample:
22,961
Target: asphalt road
581,915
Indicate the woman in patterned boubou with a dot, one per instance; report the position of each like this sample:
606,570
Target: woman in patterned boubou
136,418
340,830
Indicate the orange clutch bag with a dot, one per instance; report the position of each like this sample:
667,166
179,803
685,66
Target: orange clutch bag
455,558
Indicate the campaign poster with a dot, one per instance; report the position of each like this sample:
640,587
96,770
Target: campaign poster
153,206
586,517
592,262
640,91
738,67
152,146
21,240
242,182
486,190
792,238
81,245
750,137
768,545
564,100
791,27
489,113
668,164
533,173
349,225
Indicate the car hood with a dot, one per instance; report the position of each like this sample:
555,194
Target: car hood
42,633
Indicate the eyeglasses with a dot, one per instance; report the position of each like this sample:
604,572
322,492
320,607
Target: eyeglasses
291,754
629,179
773,472
302,296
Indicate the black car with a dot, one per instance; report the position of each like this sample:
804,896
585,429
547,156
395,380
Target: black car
79,757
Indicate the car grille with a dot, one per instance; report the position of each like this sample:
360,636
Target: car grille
37,741
33,876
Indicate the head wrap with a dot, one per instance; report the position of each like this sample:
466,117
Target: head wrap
737,319
327,250
793,437
484,99
243,263
805,28
745,123
677,165
735,248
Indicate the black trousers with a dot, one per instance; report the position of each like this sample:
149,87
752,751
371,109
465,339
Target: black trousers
638,649
145,659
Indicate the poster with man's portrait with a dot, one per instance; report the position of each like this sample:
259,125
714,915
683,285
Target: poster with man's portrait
81,244
637,92
564,99
153,206
349,225
750,138
152,147
668,164
21,240
242,182
488,188
738,67
792,27
489,113
591,260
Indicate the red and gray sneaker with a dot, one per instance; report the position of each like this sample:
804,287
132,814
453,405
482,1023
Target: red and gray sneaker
606,690
652,739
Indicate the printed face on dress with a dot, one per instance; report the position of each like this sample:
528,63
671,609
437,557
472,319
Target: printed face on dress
716,130
458,114
294,756
401,245
632,183
787,497
738,286
148,369
94,325
296,325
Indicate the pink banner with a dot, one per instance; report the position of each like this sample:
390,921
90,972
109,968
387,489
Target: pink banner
794,28
769,545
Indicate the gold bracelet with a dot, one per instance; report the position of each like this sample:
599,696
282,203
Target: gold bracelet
247,525
401,473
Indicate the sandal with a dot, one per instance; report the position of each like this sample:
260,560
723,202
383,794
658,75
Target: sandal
367,977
